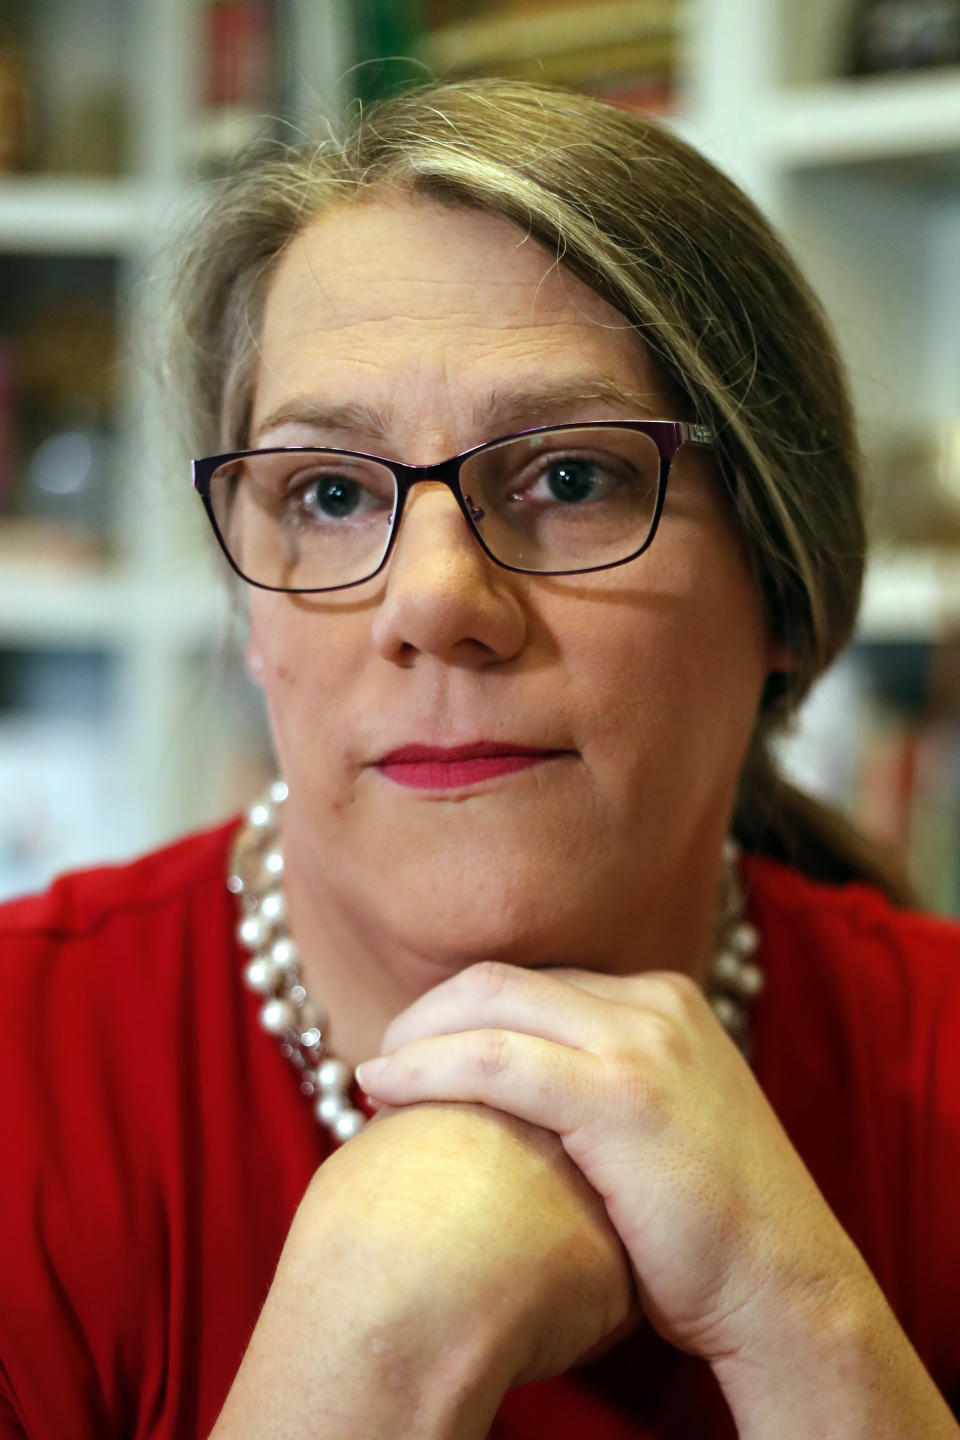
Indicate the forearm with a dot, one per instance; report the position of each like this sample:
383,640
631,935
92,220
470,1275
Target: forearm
840,1369
337,1384
340,1352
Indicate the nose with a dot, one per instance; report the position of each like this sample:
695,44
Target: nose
443,596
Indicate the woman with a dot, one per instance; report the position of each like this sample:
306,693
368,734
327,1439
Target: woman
520,698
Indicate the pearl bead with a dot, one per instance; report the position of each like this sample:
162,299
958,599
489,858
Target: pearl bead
728,1012
279,791
333,1076
348,1124
750,981
261,975
297,995
260,816
310,1039
744,938
312,1015
328,1108
273,862
726,968
283,952
250,932
276,1016
273,907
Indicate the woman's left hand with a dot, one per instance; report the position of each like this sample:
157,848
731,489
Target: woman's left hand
723,1224
737,1256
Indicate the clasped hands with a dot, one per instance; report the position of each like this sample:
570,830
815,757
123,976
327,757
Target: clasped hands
720,1223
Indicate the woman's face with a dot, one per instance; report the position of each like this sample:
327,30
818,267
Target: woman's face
414,331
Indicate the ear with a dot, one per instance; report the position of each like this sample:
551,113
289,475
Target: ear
782,663
781,659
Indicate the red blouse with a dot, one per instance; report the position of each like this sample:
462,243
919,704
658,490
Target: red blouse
155,1146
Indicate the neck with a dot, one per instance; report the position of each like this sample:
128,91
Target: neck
361,976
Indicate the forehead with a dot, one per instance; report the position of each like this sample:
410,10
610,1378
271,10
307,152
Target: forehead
398,295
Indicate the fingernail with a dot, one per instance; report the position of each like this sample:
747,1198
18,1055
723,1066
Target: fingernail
371,1070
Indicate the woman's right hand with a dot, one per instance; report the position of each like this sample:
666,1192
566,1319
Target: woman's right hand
446,1253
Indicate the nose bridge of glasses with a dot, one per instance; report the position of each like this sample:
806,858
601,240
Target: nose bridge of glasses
444,475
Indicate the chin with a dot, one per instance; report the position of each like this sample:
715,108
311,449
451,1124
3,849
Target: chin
518,925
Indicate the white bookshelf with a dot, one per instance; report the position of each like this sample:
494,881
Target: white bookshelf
156,618
863,177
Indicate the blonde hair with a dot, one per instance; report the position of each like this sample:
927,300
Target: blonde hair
690,262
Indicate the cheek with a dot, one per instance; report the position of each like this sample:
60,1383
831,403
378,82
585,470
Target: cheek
306,664
689,660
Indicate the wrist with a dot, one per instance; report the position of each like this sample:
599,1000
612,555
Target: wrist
833,1362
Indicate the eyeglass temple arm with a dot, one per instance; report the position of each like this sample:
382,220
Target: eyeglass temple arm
699,434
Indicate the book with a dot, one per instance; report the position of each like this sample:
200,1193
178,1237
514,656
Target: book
620,37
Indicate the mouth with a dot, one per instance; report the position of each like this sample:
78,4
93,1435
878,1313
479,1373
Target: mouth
435,767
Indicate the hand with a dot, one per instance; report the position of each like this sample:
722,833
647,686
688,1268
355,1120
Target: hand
476,1227
653,1102
445,1254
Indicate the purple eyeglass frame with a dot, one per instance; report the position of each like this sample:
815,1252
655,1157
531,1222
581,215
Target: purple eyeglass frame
667,435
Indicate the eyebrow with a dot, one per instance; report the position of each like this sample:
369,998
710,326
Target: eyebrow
523,407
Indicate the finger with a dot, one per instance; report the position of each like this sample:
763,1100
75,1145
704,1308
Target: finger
536,1080
495,996
664,991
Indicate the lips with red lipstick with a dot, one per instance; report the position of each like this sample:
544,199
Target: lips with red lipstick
437,767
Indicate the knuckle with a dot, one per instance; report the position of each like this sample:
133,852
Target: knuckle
634,1089
490,978
681,993
664,1036
493,1053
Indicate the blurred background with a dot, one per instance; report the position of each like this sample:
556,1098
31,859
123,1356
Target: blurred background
124,714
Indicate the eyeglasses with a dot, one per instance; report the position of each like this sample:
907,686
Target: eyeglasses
558,500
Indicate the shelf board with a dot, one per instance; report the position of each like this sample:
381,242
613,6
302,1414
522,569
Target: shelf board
911,595
71,216
843,122
47,608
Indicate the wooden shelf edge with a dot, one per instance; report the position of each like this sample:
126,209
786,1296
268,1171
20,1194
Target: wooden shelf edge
109,610
912,595
845,121
64,216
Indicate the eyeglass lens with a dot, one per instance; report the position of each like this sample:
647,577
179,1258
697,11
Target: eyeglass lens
564,500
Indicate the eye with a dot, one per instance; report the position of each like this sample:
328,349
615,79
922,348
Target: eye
323,497
334,497
569,479
572,480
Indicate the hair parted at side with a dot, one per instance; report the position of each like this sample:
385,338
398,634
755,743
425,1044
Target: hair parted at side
688,260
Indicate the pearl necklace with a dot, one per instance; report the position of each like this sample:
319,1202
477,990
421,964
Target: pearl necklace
298,1021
